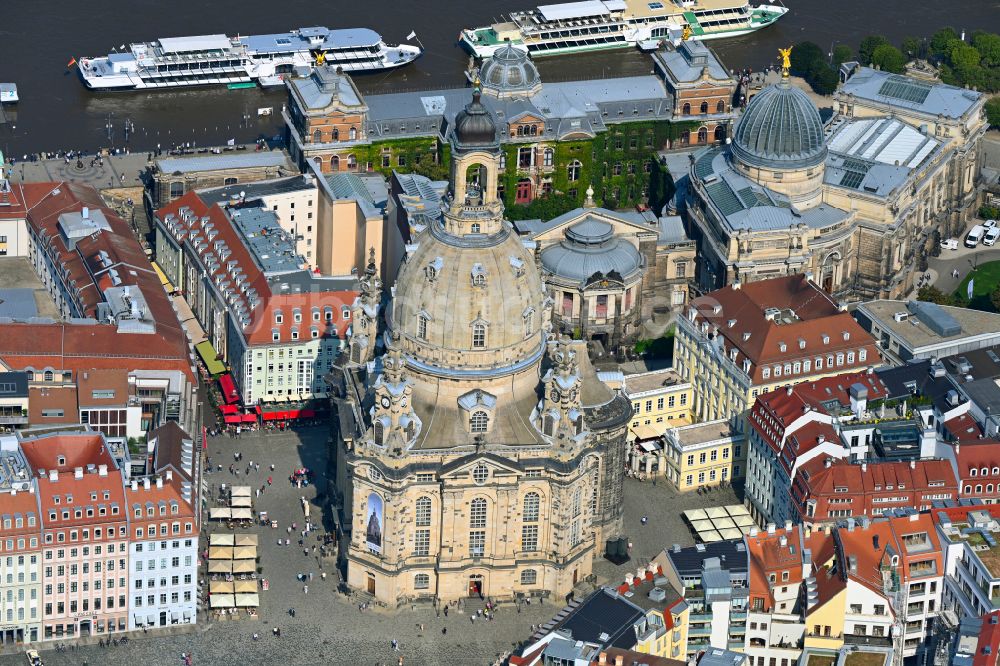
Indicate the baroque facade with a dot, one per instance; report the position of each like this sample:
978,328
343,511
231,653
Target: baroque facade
478,455
856,202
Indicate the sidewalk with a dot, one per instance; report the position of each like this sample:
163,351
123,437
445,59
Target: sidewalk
116,171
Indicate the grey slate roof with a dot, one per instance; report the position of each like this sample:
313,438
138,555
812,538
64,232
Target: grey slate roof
686,62
13,385
920,96
780,128
319,89
352,186
18,303
604,612
225,161
254,190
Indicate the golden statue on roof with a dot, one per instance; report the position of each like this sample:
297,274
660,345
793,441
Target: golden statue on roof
686,33
786,60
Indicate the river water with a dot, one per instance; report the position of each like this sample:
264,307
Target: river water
37,39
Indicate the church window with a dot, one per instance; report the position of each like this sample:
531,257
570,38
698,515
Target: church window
529,322
477,514
720,107
353,133
577,497
423,512
374,474
421,581
352,161
422,327
336,134
317,136
531,506
476,228
477,543
529,538
573,170
421,543
479,336
526,157
528,577
479,423
686,109
479,280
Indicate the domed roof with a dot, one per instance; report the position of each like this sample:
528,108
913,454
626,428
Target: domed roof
590,247
780,129
510,72
474,126
458,283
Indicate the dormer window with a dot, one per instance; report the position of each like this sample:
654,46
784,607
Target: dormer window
295,333
476,228
275,335
297,315
479,336
278,317
802,343
826,339
782,347
345,313
478,275
315,313
422,327
847,336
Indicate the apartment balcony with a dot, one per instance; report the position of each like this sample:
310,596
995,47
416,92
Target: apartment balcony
704,617
14,417
737,616
697,632
735,645
877,641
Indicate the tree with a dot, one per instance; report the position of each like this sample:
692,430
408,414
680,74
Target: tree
806,58
995,299
888,58
825,81
842,53
942,41
868,46
914,48
993,111
988,45
934,295
964,57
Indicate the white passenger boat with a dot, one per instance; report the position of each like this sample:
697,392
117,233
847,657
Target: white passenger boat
8,93
590,25
173,62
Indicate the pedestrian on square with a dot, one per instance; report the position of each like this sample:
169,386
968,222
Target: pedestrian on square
305,589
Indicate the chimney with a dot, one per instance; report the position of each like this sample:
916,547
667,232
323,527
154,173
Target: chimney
53,475
788,390
913,464
736,285
85,213
864,467
159,482
102,470
770,528
788,526
145,483
602,658
135,485
783,541
619,660
78,473
828,462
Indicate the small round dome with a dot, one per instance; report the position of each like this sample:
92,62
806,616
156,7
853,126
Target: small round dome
591,247
780,129
510,73
474,126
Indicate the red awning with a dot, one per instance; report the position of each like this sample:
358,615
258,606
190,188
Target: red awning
249,418
287,415
233,418
229,392
229,409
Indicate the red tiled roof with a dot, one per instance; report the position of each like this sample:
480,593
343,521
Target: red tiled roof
963,428
818,323
982,453
262,325
843,474
169,492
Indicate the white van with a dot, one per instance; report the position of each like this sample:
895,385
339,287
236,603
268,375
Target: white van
991,236
975,235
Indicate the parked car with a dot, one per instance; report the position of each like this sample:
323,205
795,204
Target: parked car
990,223
33,658
975,235
949,244
992,234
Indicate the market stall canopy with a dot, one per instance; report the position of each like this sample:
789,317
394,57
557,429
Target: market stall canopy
220,513
221,587
243,566
245,586
223,601
220,566
247,600
289,414
245,539
240,491
210,357
240,502
228,386
220,553
244,552
230,410
221,539
242,514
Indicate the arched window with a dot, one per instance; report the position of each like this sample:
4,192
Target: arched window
534,130
479,336
352,161
479,422
979,488
48,375
573,170
704,107
335,163
616,170
336,134
984,472
529,322
529,577
720,133
703,135
531,507
317,136
421,582
686,109
477,514
973,472
379,433
422,327
423,512
547,157
720,107
354,133
479,280
520,130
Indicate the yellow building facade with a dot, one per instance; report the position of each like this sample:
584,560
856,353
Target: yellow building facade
660,400
704,454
